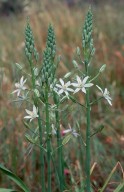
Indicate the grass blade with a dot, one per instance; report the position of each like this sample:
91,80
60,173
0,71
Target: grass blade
13,177
110,176
119,188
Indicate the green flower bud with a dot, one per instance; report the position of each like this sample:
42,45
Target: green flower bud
102,68
78,51
93,51
37,56
37,92
29,56
87,41
29,41
48,68
67,75
75,64
31,48
36,71
19,66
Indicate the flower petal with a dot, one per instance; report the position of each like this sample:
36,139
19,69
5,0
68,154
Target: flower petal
28,112
60,91
21,80
17,85
83,90
15,91
88,85
85,79
34,109
75,84
18,92
57,85
69,89
76,90
78,79
66,131
61,81
109,102
68,84
24,81
27,117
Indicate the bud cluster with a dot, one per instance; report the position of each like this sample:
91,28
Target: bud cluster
29,43
48,67
51,42
87,40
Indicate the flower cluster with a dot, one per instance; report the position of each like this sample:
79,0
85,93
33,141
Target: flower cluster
79,85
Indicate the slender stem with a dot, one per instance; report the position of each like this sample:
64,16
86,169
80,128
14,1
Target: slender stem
95,101
88,158
48,141
59,143
55,168
88,144
40,131
75,101
95,77
41,153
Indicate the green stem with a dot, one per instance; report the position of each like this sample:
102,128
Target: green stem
95,77
40,131
87,163
75,101
95,101
59,143
88,158
48,141
41,153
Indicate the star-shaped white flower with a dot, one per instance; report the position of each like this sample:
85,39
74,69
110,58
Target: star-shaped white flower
105,94
64,87
32,114
81,84
70,130
20,86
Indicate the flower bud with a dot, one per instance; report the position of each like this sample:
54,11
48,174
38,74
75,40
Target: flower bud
35,71
67,75
19,66
102,68
78,51
75,63
93,51
37,92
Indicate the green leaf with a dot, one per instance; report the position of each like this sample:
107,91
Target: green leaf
7,190
119,188
13,177
66,139
30,139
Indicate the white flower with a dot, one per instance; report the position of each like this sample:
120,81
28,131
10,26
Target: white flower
32,114
64,87
81,84
70,130
105,94
20,86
